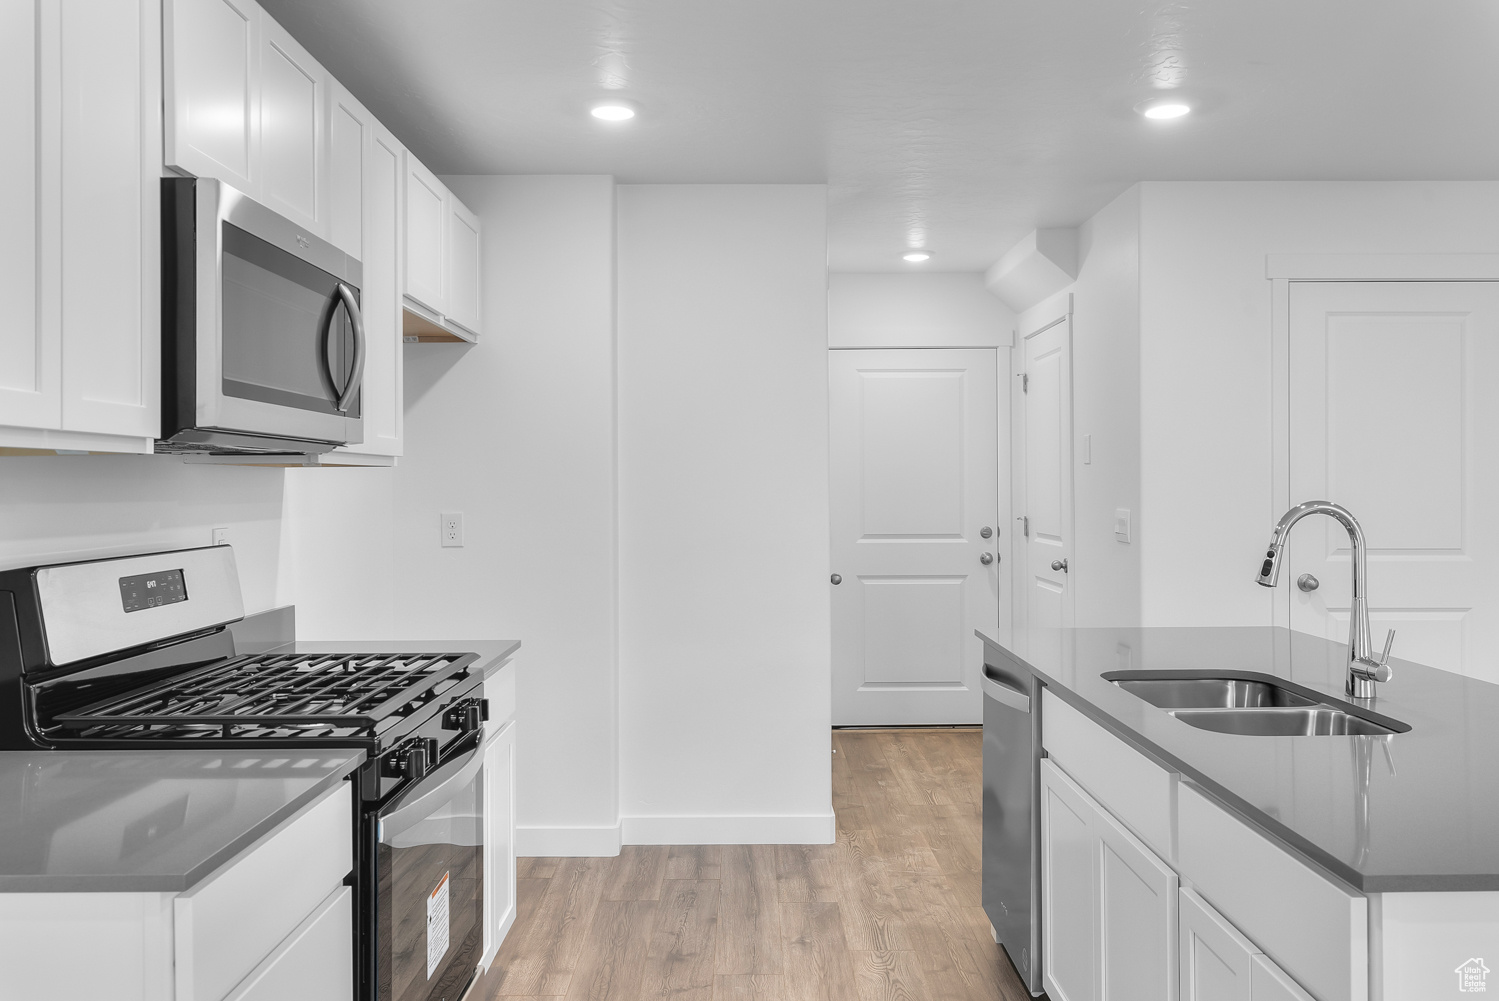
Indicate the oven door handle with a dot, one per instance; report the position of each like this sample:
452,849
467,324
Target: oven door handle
436,786
1004,694
356,375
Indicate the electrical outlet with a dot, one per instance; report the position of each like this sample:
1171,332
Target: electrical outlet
221,537
452,529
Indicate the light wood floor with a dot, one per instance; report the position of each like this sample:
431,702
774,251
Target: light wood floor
889,912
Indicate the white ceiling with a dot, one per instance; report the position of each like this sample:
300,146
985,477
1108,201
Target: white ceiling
961,124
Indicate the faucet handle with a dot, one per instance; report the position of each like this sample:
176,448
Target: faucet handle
1380,670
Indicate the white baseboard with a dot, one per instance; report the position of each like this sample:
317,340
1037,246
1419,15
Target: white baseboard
816,829
567,842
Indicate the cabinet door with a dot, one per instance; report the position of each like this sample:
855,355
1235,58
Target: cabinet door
1268,982
100,210
426,201
293,95
314,963
212,76
30,359
1215,956
499,839
463,275
380,296
1069,894
1137,917
350,128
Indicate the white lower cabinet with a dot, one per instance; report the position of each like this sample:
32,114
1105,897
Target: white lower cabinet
499,839
275,923
315,963
1219,964
1108,903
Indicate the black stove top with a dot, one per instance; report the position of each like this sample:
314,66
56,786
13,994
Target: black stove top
274,695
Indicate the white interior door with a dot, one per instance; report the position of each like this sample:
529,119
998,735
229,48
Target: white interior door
914,439
1044,484
1394,415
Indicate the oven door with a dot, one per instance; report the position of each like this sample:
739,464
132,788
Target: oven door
269,337
429,892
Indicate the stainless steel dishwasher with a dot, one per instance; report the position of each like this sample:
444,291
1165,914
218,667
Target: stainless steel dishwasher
1012,816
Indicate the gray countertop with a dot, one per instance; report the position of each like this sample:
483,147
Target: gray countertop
146,821
1412,811
161,820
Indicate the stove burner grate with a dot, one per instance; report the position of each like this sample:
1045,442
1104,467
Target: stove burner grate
275,695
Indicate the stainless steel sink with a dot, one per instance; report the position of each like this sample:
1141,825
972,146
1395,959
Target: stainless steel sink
1211,693
1252,704
1315,721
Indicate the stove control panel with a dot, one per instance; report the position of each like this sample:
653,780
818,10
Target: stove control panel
411,759
149,590
465,715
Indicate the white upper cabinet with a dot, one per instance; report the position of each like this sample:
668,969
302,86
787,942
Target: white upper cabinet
246,104
426,256
212,75
443,263
463,266
369,227
293,97
30,363
350,130
80,226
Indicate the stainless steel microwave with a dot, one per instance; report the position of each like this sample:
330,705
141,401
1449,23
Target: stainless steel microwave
262,340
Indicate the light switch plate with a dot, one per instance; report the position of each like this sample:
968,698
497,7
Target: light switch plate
221,537
1121,524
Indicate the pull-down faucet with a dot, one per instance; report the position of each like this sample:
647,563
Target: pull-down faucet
1363,669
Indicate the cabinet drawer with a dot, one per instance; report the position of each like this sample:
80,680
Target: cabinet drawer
1136,790
225,926
1311,926
314,963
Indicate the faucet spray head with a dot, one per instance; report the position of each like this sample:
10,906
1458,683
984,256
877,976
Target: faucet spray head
1270,569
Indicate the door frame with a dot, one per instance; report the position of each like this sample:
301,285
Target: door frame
1282,270
1013,604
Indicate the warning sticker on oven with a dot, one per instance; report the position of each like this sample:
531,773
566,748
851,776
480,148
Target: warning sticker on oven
437,924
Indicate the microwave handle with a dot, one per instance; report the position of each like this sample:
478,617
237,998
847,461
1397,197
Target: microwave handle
346,398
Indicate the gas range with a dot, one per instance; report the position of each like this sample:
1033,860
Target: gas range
136,652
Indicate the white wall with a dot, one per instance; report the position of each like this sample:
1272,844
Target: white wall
84,507
937,310
517,433
1205,361
1106,406
723,512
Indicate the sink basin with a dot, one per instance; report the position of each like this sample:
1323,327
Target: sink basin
1211,693
1313,721
1252,704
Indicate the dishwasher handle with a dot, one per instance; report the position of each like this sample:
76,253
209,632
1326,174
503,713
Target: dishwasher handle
1004,694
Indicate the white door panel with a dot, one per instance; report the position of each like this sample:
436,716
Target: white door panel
1391,416
1045,488
914,480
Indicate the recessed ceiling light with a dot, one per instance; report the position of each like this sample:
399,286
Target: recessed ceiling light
1165,109
916,256
613,111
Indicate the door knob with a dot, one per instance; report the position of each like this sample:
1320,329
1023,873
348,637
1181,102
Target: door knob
1059,565
1307,582
837,578
986,558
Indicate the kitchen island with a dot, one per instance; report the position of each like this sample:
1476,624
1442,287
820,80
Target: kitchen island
1361,865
